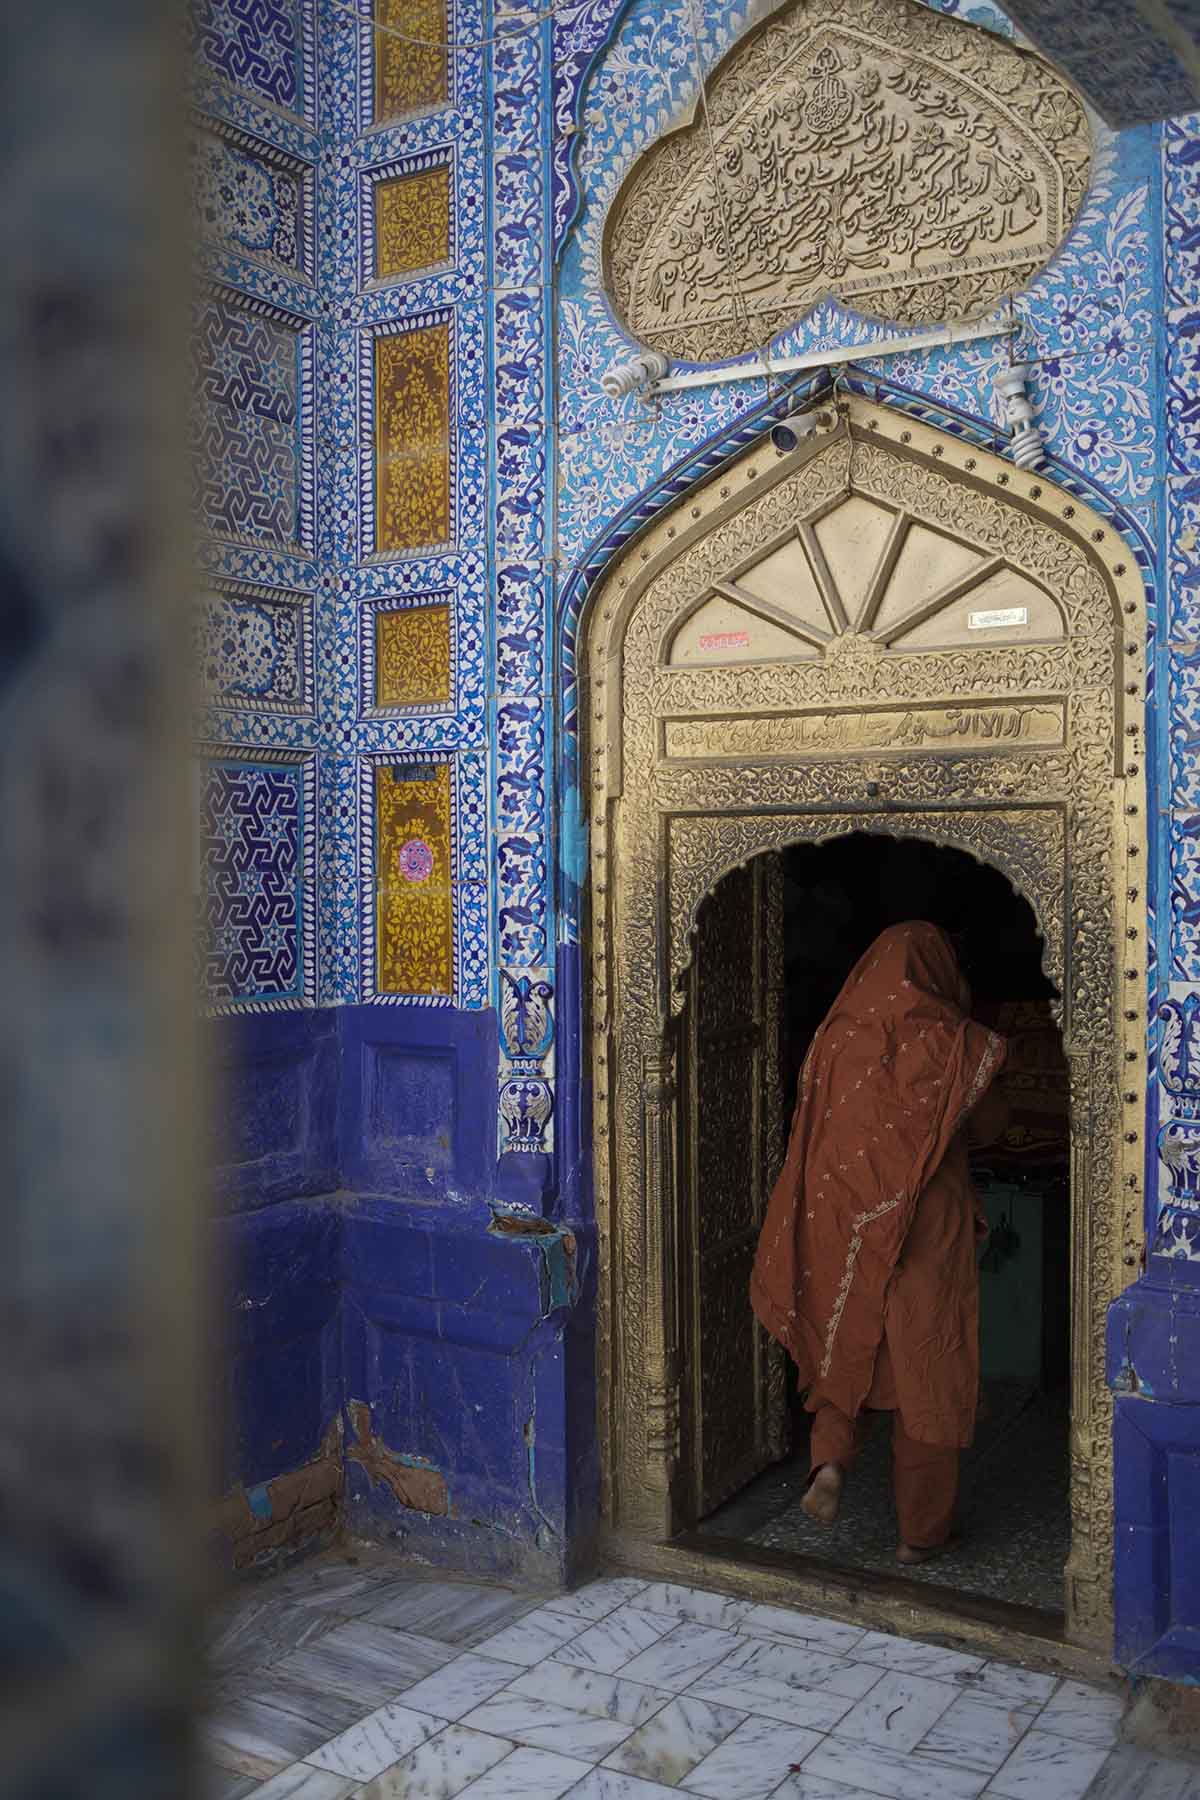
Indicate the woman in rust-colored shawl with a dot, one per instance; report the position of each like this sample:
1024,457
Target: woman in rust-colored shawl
866,1268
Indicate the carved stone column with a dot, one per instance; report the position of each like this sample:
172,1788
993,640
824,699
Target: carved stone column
660,1320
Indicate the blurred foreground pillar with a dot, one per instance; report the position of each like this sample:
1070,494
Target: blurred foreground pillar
98,1298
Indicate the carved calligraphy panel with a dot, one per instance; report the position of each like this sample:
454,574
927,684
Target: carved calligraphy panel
918,168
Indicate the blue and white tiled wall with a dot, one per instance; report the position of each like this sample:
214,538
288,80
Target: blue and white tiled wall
255,345
540,128
1114,323
543,119
1178,1132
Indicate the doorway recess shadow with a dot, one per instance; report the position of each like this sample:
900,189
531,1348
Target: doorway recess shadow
1014,1509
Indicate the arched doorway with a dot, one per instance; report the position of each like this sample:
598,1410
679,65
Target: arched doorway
884,628
774,943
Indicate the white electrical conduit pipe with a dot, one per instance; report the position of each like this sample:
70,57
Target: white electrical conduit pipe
821,359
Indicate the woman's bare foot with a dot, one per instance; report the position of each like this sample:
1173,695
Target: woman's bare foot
912,1554
824,1494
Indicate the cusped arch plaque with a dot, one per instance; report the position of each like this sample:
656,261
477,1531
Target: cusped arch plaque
918,168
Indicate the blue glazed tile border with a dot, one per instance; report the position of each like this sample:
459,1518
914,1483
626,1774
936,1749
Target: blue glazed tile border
367,766
367,402
283,162
296,610
1181,260
440,156
368,613
461,22
468,799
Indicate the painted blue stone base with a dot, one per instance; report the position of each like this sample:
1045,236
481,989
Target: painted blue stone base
453,1333
370,1252
1154,1371
273,1102
280,1345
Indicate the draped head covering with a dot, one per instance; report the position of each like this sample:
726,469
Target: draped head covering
889,1079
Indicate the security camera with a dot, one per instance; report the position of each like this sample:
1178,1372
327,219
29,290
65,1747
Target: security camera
786,437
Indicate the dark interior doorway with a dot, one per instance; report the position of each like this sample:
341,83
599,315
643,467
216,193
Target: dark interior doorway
1015,1487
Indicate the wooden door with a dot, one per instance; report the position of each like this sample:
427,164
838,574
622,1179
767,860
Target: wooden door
732,1124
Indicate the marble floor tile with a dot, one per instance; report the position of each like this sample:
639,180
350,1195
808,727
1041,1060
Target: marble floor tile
599,1598
349,1589
798,1666
682,1656
376,1742
612,1642
1133,1774
1010,1684
897,1713
545,1726
358,1602
255,1633
532,1638
669,1746
914,1659
752,1761
237,1766
784,1682
301,1782
454,1612
528,1775
1091,1715
438,1769
819,1787
333,1712
612,1784
694,1604
366,1662
259,1740
587,1691
887,1775
1045,1766
462,1685
803,1628
765,1699
215,1783
976,1733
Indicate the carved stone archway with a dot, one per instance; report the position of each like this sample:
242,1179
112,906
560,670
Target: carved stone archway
884,629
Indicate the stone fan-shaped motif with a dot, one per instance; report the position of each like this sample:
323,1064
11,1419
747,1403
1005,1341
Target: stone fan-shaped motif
858,578
915,167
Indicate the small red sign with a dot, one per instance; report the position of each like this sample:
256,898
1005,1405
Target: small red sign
725,640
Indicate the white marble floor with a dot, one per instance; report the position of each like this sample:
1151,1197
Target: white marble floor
364,1680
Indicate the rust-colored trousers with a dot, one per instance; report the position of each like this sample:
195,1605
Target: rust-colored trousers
924,1476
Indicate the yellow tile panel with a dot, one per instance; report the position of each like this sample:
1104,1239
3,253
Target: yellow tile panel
412,439
414,922
412,656
410,69
412,222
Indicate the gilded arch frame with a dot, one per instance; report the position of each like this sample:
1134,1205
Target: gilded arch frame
1066,823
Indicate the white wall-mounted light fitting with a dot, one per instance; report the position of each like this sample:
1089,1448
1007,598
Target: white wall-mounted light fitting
635,375
1025,446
